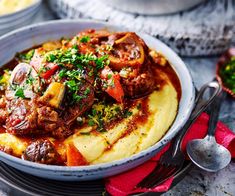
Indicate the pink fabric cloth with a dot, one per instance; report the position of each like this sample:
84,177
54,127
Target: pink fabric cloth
123,184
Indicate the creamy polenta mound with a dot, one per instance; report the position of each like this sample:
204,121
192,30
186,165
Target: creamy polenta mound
95,98
10,6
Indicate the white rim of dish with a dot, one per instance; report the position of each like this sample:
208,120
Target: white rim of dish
102,166
19,21
5,16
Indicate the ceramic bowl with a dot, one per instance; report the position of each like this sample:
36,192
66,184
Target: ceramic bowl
20,18
30,36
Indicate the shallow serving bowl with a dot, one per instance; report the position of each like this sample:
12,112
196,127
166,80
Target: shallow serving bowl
30,36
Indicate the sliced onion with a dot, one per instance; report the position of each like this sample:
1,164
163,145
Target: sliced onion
18,79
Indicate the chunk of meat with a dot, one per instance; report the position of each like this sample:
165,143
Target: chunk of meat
140,84
47,118
3,113
3,116
86,92
22,117
128,51
62,132
41,151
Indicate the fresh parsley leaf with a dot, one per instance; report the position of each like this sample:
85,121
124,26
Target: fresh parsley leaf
127,113
30,80
51,57
91,122
85,39
87,91
20,93
109,76
26,57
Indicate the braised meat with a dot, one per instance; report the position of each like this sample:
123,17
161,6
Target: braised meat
47,118
3,113
22,117
138,82
41,151
86,98
58,82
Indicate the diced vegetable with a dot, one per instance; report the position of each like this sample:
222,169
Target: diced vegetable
23,82
74,157
4,79
37,59
48,46
114,87
54,94
51,68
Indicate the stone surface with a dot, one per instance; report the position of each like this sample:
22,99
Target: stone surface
197,182
204,30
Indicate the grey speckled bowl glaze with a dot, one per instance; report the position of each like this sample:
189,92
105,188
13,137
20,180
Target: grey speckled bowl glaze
27,37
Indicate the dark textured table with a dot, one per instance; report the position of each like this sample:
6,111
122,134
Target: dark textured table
197,182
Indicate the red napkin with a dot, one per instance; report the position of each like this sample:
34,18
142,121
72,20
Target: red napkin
123,184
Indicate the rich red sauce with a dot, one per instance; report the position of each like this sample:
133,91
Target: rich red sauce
171,75
2,130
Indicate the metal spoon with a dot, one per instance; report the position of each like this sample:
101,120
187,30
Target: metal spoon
207,153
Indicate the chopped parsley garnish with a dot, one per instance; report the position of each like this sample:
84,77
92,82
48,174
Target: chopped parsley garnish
26,57
73,89
81,63
85,39
102,113
87,91
30,80
72,56
19,93
50,57
139,106
110,76
127,113
228,74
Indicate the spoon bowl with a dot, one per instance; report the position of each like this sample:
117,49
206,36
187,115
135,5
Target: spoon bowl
208,155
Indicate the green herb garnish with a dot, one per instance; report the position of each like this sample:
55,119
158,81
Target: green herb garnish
228,74
20,93
127,113
85,39
26,57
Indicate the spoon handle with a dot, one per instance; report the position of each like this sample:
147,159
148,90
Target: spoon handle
200,106
214,114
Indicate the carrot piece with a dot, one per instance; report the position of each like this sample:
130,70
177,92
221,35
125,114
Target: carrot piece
52,68
114,88
74,157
